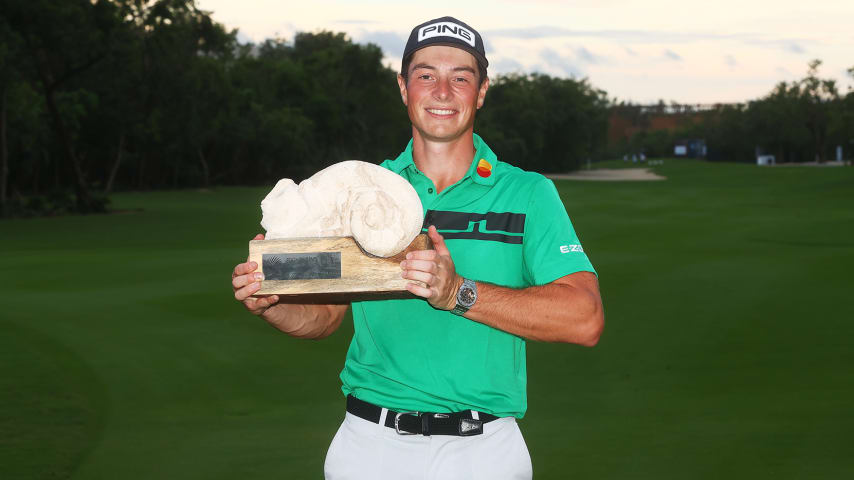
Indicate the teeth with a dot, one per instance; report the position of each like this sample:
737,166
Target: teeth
437,111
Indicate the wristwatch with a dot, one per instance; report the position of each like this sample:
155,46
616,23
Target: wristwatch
466,296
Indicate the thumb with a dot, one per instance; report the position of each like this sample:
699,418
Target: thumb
260,236
438,241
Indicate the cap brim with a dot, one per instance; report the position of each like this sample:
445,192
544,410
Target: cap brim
477,56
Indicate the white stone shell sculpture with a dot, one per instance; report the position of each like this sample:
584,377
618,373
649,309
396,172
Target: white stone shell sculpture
375,206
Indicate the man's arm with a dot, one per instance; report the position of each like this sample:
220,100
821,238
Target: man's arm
568,309
297,320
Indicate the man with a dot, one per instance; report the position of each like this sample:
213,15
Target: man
507,266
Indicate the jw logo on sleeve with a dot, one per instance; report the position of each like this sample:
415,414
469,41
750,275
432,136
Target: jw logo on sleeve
502,227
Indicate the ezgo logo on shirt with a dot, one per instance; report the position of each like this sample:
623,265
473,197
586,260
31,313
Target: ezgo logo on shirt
446,29
571,248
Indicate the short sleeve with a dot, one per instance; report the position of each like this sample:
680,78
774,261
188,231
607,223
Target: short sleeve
551,248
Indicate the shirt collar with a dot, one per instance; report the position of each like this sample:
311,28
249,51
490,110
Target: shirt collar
403,161
481,170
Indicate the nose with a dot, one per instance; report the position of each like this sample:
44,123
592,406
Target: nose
443,89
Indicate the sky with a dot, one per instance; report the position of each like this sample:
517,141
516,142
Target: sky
640,51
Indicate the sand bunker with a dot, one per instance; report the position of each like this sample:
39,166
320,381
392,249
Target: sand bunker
609,175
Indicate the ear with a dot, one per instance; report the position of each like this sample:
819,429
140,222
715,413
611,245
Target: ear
481,94
401,83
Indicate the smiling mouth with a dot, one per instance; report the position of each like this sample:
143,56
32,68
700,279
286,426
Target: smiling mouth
441,111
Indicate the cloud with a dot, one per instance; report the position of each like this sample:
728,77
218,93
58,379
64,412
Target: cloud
488,47
635,36
555,60
790,45
730,61
529,33
672,55
391,43
507,65
783,71
356,21
243,38
587,56
795,48
630,51
281,31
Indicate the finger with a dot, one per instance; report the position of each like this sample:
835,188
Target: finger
244,268
438,241
419,290
427,278
262,303
242,294
429,255
241,281
428,266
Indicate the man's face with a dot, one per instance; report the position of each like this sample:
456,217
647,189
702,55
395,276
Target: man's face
442,93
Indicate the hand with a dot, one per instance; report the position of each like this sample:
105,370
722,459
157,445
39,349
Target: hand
245,282
435,269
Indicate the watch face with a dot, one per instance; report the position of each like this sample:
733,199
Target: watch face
467,296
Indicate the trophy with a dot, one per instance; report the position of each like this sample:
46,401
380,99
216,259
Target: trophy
340,233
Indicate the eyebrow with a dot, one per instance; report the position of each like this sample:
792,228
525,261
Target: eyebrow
465,69
427,66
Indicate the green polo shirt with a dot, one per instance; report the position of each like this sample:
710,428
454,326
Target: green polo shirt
502,225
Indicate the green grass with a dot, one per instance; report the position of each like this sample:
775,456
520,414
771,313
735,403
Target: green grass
727,348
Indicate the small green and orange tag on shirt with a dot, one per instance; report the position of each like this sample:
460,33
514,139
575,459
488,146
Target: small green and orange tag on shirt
484,168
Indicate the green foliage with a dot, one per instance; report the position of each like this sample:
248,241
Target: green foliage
797,122
543,123
139,94
657,143
51,203
104,95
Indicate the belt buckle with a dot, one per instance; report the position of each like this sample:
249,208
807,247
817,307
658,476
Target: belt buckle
397,423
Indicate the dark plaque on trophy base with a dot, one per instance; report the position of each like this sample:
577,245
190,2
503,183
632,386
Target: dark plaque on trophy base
328,266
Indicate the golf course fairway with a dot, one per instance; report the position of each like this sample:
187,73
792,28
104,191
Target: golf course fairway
726,352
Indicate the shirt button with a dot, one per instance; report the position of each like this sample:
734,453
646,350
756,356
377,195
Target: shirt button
429,190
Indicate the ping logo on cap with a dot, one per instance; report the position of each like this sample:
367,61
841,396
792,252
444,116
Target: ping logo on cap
446,29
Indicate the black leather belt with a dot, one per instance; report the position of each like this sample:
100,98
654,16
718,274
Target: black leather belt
461,424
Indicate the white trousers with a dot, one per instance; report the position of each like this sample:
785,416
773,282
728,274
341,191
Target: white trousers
363,450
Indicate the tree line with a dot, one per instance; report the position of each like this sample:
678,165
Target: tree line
104,95
98,96
800,121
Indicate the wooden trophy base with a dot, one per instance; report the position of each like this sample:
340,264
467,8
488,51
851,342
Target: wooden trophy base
322,268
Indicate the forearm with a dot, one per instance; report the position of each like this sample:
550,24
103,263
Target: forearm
297,320
568,309
554,312
305,320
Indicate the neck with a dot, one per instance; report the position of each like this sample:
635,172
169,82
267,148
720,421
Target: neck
445,163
